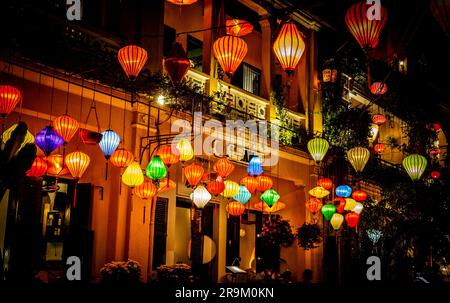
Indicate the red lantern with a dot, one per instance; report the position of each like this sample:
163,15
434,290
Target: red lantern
352,219
378,88
314,205
289,47
359,195
235,208
366,32
9,97
238,28
66,126
38,168
264,183
325,183
216,187
251,183
177,63
435,174
339,202
169,154
193,174
146,190
132,58
379,148
89,137
121,158
379,119
224,167
230,51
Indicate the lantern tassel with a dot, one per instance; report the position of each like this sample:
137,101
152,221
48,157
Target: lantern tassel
106,170
74,194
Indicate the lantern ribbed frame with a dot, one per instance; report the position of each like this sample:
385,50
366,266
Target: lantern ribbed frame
415,166
10,96
229,52
132,58
358,157
77,162
289,46
66,126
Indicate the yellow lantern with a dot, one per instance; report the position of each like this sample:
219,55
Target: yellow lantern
231,189
186,150
133,175
319,192
336,221
358,208
358,157
350,204
77,163
289,46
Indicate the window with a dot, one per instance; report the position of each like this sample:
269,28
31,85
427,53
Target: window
248,78
195,52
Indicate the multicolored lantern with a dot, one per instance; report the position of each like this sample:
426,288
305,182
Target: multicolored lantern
340,204
415,165
230,51
289,46
251,183
109,142
318,148
66,126
146,190
379,119
254,167
231,189
264,183
350,204
156,169
379,148
77,162
358,157
193,174
133,176
238,28
169,154
243,195
352,219
186,151
359,195
38,168
313,205
235,208
176,63
336,221
319,192
121,158
378,88
328,210
223,167
132,58
216,187
9,98
200,196
343,191
325,183
270,196
48,140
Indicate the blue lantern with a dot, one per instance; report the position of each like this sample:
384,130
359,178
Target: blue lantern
48,140
343,191
254,167
109,142
243,195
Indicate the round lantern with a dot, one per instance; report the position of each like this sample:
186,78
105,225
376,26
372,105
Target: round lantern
379,119
66,126
365,31
340,204
435,174
109,142
254,167
146,190
379,148
352,220
223,167
200,196
28,139
328,210
325,183
358,157
77,162
156,169
319,192
121,158
185,148
289,46
38,168
169,154
230,51
176,63
264,183
270,196
9,97
358,208
55,165
243,195
350,204
182,2
314,205
235,208
378,88
132,58
336,221
415,166
318,148
343,191
133,176
89,137
231,189
48,140
238,28
215,187
359,195
251,183
193,174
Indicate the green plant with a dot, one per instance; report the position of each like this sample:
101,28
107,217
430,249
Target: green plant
277,232
309,236
179,272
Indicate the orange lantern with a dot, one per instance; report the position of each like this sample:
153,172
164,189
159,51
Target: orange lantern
378,88
339,202
182,2
132,58
165,185
289,47
235,208
379,148
352,219
359,195
325,183
277,206
66,126
230,51
177,63
238,28
216,187
121,158
379,119
193,174
146,190
250,182
169,154
264,183
9,97
77,162
38,168
314,205
55,165
223,167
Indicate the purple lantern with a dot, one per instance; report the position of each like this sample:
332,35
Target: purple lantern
48,140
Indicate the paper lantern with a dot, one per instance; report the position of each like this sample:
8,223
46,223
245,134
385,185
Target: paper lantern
277,206
358,208
38,168
365,31
48,140
359,195
379,119
415,166
319,192
132,58
133,176
182,2
270,196
343,191
66,126
185,148
328,210
336,221
235,208
121,158
374,235
89,137
340,204
358,157
77,162
325,183
177,63
373,132
313,205
156,169
435,174
223,167
231,189
238,28
289,46
318,148
264,183
193,174
169,154
352,219
379,148
230,51
146,190
350,204
165,185
200,196
378,88
254,167
55,165
216,187
109,142
9,98
251,183
28,139
243,195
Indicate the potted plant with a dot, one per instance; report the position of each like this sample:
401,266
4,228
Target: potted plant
309,236
121,271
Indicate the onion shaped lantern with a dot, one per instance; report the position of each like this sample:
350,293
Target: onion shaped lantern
358,157
352,220
169,154
378,88
230,51
270,196
343,191
132,58
340,204
109,142
231,189
319,192
289,47
415,166
325,183
146,190
336,221
314,205
185,148
38,168
235,208
200,196
215,187
48,140
176,63
359,195
243,195
133,176
264,183
238,28
55,165
66,126
358,208
328,211
9,98
254,167
77,162
28,139
223,167
379,148
156,169
251,183
318,148
193,174
121,158
350,204
379,119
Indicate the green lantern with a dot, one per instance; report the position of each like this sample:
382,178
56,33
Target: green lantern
270,197
318,147
156,169
415,166
328,211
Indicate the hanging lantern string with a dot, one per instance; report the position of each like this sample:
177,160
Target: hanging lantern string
81,107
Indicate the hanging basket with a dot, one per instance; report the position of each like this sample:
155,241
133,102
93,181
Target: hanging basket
90,137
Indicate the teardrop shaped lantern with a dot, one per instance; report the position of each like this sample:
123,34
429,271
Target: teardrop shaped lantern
48,140
169,154
336,221
340,204
366,32
318,148
176,63
379,119
359,195
318,192
328,211
77,162
200,196
358,208
343,191
270,196
146,190
325,183
231,189
350,204
238,28
415,165
289,46
358,157
379,148
186,150
251,183
66,126
133,176
9,98
352,220
378,88
38,168
223,167
215,187
55,165
28,139
109,142
230,51
235,208
193,174
254,167
313,205
121,158
156,169
264,183
132,58
243,195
